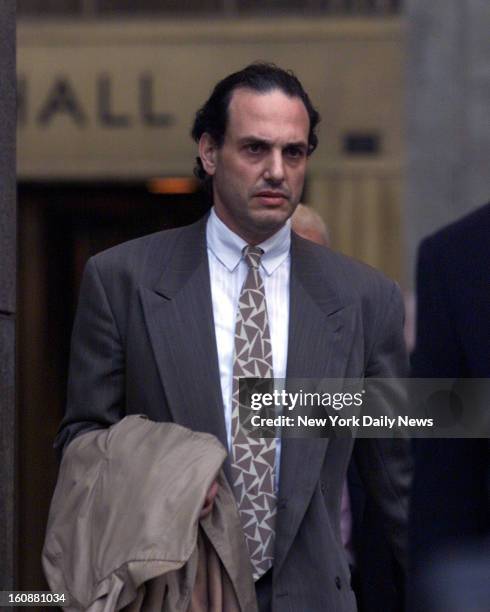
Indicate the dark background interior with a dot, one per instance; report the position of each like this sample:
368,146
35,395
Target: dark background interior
59,227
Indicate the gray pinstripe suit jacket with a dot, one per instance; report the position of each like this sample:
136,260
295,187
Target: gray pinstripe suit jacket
144,342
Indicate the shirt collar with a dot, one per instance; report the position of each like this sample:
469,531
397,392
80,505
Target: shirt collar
227,246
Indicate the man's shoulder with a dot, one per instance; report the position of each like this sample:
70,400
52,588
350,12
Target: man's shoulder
338,283
147,255
351,279
161,242
469,233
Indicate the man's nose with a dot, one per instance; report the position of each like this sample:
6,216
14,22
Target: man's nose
274,171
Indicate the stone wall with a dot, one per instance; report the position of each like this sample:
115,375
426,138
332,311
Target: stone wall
7,293
448,108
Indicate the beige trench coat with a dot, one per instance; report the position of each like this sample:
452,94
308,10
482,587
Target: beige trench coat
124,530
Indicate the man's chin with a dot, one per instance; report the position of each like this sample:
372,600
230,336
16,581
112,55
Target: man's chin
267,223
272,216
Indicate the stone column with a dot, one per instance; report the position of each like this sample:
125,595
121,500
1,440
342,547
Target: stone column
7,293
448,109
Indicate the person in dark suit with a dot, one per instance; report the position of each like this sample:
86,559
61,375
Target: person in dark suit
155,333
375,573
450,501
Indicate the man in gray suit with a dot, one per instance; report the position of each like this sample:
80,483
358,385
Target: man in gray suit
156,332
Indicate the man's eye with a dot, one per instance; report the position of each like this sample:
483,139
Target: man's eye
294,152
255,147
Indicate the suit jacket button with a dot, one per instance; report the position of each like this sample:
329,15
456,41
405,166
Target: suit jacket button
322,487
338,582
282,504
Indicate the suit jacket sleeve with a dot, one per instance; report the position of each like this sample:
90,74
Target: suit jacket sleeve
385,465
95,397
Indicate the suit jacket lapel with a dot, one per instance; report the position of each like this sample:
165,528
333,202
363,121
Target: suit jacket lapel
320,335
179,317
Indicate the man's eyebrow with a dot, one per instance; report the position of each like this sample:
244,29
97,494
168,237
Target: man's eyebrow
247,139
300,144
256,139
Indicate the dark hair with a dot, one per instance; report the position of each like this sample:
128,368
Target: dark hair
261,77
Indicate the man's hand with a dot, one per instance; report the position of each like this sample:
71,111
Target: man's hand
208,502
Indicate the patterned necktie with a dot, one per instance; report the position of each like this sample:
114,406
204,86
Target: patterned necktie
253,459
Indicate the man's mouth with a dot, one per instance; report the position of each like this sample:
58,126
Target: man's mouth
272,197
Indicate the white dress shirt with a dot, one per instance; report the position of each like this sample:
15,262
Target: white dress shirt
228,271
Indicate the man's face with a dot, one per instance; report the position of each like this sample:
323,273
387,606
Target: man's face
258,172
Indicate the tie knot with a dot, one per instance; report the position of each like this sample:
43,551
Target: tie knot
252,256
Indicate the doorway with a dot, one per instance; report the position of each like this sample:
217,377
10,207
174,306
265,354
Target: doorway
59,227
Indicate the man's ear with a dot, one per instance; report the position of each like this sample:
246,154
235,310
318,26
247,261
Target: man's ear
208,152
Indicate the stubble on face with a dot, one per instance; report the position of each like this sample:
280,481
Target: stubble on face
260,167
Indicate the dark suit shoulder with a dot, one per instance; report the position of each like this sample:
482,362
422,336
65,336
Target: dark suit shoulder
458,254
468,234
351,279
452,285
138,250
143,259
